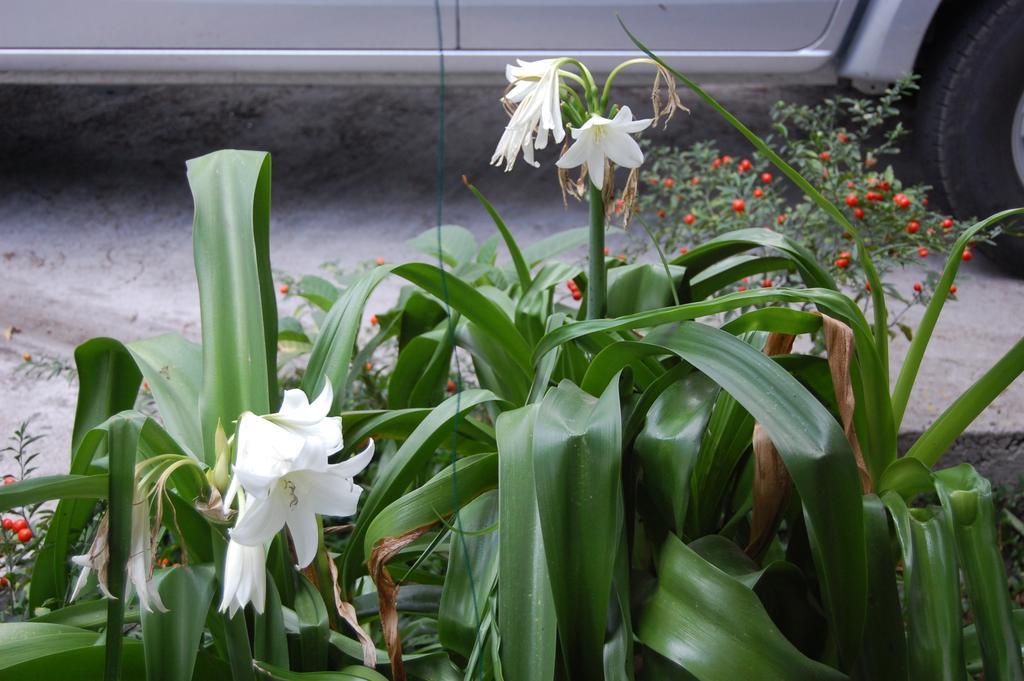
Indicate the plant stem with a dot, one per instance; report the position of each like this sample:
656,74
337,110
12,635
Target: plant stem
597,279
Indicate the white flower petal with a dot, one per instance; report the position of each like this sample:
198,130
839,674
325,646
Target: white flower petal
595,166
622,149
262,518
578,153
303,528
354,465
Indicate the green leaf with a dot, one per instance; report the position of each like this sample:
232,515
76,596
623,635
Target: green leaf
265,670
472,572
421,370
884,653
931,591
915,353
522,270
556,244
972,647
173,368
458,245
108,382
967,501
577,450
171,639
400,470
944,430
640,286
526,611
313,627
816,454
715,627
231,238
318,291
732,269
38,490
667,448
86,615
433,500
123,445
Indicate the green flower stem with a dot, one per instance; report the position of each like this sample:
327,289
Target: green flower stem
597,281
611,77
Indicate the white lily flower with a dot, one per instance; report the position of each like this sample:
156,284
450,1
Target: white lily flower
602,138
536,91
281,464
140,561
245,573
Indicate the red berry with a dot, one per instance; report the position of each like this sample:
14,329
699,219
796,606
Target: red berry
8,524
619,205
766,283
923,252
858,213
716,163
690,218
870,162
758,193
850,184
683,250
661,213
947,224
10,480
369,366
374,320
842,263
917,287
451,386
901,201
867,285
825,156
924,201
843,137
694,180
766,177
884,186
24,535
20,524
967,256
852,200
952,289
727,159
739,205
4,583
284,288
744,165
780,219
379,260
844,254
913,227
606,251
741,288
571,285
873,196
621,257
576,295
669,183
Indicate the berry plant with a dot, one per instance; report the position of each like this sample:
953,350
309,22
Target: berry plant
22,527
695,194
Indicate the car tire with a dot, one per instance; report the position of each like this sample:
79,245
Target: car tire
971,96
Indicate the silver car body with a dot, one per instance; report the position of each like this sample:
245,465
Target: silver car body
869,41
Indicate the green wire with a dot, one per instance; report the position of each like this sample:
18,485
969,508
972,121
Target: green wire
439,208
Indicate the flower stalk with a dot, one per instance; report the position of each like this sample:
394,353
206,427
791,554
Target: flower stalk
597,275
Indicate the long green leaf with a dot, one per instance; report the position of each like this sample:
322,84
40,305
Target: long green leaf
715,627
915,353
931,592
816,454
171,639
38,490
526,611
967,501
108,382
522,269
944,430
577,450
231,239
393,478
